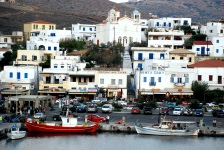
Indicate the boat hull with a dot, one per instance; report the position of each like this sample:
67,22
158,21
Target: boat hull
18,135
32,126
157,131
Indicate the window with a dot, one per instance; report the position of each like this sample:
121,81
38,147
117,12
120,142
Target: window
55,48
181,58
52,34
221,31
145,79
36,26
10,75
186,80
173,57
217,50
90,29
217,41
34,58
172,80
198,49
140,65
24,58
159,79
83,29
52,27
189,59
49,48
62,66
210,77
150,55
139,56
18,75
179,80
25,75
101,81
55,66
43,27
5,40
113,81
120,82
199,78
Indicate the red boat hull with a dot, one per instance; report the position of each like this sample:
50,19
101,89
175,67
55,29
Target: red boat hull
33,126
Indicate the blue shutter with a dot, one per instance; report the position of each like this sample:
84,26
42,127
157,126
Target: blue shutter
49,48
150,55
157,24
25,75
84,29
162,56
55,66
202,50
10,75
164,24
55,48
198,49
145,79
90,29
18,75
139,56
217,50
139,65
169,24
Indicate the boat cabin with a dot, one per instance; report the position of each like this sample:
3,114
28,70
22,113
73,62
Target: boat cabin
69,121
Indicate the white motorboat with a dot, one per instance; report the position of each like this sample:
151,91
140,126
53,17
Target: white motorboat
169,127
15,133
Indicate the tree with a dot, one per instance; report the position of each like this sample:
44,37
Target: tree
199,89
189,42
71,44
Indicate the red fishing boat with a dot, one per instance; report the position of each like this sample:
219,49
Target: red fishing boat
68,125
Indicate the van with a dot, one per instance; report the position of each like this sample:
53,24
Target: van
107,108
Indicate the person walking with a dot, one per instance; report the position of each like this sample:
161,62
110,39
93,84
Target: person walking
107,119
214,123
86,118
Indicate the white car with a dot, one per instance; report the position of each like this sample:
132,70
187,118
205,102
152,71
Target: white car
107,108
178,111
210,104
39,116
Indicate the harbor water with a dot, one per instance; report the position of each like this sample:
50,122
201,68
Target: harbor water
111,141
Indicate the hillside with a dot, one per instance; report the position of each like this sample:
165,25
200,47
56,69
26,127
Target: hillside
199,10
67,12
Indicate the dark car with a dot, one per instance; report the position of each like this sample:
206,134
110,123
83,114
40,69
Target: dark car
56,118
198,112
217,113
164,111
147,110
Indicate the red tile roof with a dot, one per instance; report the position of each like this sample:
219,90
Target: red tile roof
203,43
40,22
208,64
116,9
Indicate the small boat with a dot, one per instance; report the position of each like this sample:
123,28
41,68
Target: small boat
15,133
169,127
69,124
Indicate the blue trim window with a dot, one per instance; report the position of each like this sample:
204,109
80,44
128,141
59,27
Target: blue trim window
139,65
55,48
49,48
101,81
83,29
198,49
159,79
145,79
55,66
157,24
90,29
217,50
25,75
171,80
10,75
18,75
186,80
150,55
62,66
208,49
217,41
139,56
52,34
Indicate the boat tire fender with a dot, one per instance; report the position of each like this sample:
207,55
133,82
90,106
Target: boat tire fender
129,129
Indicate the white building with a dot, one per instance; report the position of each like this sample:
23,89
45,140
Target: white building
213,28
47,40
113,82
172,39
20,79
169,23
85,32
144,29
120,29
164,78
210,71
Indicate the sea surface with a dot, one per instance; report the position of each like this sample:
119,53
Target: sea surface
111,141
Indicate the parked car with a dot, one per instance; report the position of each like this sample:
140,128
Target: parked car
188,112
92,108
147,110
56,118
198,112
210,104
130,107
177,111
95,118
40,116
218,113
164,111
135,110
81,108
171,105
107,108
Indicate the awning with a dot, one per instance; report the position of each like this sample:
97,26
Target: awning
183,91
45,75
81,93
13,92
52,92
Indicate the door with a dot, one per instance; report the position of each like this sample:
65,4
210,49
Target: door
202,50
152,80
139,65
150,55
162,56
219,79
18,75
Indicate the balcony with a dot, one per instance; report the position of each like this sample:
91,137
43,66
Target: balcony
152,83
179,84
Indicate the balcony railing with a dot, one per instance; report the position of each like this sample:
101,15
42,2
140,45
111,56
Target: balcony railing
179,84
152,83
